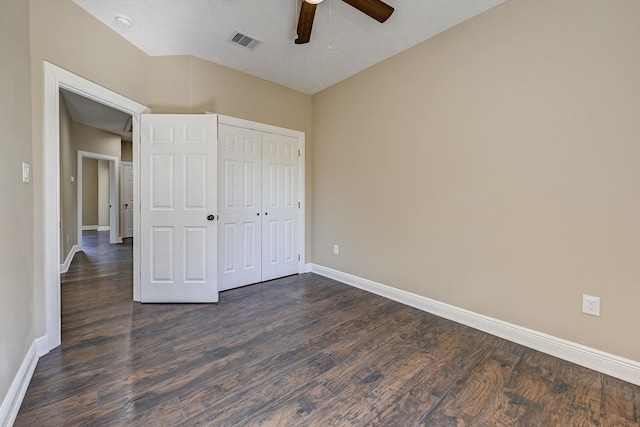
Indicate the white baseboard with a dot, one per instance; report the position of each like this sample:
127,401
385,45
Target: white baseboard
42,346
609,364
64,267
15,395
96,228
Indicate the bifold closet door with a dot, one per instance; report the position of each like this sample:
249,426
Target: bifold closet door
281,212
239,207
259,226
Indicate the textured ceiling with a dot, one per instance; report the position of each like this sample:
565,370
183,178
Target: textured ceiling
344,41
92,113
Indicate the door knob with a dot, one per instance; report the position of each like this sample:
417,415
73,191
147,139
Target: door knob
211,217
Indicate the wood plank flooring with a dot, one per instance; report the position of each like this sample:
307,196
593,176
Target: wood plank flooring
298,351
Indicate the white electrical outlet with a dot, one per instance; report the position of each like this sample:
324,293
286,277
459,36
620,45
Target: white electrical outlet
591,305
336,249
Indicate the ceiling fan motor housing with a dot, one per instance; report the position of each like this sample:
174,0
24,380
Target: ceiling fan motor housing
376,9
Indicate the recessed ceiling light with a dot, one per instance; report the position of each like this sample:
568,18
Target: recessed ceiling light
123,21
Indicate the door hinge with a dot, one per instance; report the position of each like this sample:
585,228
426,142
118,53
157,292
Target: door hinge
298,153
298,257
298,205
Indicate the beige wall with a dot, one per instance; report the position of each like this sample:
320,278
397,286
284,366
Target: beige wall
103,193
126,151
95,192
495,168
185,84
97,141
89,192
16,236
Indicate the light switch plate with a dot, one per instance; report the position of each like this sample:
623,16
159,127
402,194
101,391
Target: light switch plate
25,172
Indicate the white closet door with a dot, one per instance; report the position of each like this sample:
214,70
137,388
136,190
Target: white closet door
178,236
280,222
239,227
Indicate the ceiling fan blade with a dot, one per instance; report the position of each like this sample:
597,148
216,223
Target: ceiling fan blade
378,10
305,22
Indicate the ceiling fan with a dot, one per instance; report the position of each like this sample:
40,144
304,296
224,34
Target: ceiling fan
376,9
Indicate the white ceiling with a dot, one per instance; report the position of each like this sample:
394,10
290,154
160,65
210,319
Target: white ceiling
91,113
344,41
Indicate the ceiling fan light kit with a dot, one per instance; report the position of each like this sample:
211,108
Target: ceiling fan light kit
377,9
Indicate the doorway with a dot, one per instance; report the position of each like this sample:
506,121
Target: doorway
114,227
56,79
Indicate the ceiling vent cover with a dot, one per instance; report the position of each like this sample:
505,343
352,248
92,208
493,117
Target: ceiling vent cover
244,41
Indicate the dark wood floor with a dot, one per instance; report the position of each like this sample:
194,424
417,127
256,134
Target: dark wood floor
302,350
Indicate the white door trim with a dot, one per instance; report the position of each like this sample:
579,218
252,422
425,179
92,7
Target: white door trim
56,78
114,227
234,121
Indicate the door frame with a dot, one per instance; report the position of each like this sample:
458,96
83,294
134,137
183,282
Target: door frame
234,121
56,78
114,223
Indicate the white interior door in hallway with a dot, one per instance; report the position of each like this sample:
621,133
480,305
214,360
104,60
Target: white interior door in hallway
259,206
178,187
127,199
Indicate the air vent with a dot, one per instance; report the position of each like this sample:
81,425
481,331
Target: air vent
244,41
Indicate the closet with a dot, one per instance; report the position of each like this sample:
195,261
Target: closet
260,188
